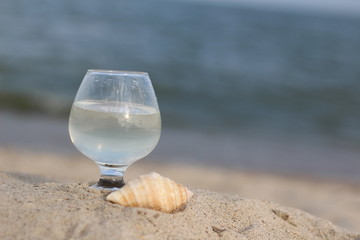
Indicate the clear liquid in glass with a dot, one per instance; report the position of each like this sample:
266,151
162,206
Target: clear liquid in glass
114,133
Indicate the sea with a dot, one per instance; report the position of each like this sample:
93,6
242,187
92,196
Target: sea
241,87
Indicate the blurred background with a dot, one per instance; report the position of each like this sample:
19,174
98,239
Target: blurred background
261,85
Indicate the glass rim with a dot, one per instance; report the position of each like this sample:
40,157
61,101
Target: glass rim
123,72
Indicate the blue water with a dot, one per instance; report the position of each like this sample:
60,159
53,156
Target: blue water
216,69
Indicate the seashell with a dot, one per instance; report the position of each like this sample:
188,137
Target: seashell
152,191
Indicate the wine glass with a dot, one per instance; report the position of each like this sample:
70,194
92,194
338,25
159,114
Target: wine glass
115,121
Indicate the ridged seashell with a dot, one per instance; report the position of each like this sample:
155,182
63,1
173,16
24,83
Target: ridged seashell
152,191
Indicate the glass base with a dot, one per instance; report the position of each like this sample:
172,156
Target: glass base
112,177
111,183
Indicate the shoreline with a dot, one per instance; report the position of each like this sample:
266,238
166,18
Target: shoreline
267,153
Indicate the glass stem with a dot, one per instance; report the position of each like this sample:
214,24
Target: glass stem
112,177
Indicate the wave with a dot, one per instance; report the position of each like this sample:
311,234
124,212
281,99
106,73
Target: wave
27,103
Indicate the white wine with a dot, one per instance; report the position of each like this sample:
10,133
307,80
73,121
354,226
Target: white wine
114,133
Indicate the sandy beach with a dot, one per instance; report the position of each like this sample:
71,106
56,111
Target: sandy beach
258,117
46,195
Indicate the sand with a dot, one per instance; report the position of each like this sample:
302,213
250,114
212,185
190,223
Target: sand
33,208
46,196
